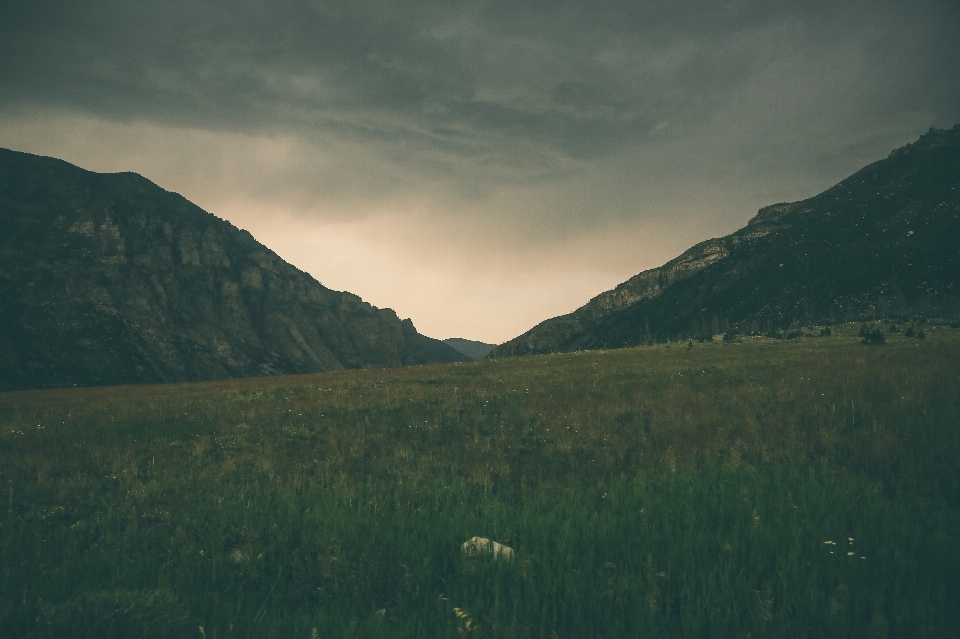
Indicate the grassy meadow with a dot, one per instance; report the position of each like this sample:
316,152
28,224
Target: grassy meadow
760,488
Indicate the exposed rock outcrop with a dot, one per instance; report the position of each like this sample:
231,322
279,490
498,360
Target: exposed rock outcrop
480,546
109,279
883,242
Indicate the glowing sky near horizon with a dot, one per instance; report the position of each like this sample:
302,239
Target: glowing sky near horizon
478,166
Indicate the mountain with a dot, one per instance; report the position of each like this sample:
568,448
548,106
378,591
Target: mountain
109,279
469,347
884,242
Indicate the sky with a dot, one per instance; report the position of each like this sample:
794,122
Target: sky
478,166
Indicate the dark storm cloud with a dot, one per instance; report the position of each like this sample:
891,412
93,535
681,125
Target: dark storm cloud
507,82
478,165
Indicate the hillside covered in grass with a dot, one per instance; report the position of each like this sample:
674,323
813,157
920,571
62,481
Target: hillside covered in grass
790,488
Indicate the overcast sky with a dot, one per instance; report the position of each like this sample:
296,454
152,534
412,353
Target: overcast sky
478,166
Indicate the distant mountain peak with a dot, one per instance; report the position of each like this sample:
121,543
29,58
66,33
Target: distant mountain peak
470,348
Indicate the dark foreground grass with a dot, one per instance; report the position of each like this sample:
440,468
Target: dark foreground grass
805,488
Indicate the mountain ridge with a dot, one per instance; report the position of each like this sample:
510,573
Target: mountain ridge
707,289
107,278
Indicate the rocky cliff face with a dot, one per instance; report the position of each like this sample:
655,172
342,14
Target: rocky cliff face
109,279
884,242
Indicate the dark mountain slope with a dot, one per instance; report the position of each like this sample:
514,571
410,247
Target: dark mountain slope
885,242
109,279
471,348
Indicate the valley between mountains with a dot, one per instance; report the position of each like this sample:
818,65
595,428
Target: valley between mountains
731,485
110,279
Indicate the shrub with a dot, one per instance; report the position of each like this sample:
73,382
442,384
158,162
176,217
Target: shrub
909,332
872,336
825,331
921,335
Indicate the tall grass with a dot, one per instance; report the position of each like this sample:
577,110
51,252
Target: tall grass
654,492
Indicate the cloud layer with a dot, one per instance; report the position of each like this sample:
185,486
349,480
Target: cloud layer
483,165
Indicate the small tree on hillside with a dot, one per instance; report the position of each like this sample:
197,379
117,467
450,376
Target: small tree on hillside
871,336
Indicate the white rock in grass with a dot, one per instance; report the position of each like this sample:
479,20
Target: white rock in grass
481,545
